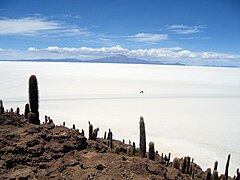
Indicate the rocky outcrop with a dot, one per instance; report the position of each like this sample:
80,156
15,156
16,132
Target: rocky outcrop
47,151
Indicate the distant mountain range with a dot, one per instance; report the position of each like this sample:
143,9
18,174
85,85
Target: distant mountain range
119,58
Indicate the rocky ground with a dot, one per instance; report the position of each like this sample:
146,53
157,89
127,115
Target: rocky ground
48,151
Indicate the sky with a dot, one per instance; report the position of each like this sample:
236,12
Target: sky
194,32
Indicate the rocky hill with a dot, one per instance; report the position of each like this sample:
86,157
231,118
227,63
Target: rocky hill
48,151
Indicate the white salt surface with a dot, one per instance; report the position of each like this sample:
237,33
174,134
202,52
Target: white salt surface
187,110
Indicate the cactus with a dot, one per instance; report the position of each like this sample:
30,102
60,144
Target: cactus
26,111
123,141
191,169
18,111
176,163
64,123
215,166
188,164
73,126
151,151
238,174
11,110
105,135
108,136
90,131
33,97
82,132
208,174
110,140
142,138
94,134
1,107
134,148
184,165
2,110
215,175
32,117
193,173
168,159
227,166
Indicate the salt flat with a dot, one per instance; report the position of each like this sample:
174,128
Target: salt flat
187,110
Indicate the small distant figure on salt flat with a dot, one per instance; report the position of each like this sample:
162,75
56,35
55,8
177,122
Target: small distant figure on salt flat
141,92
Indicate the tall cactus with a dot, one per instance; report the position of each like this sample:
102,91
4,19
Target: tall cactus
184,165
188,164
33,97
215,166
18,111
238,174
151,151
26,111
227,166
134,148
1,107
110,139
142,138
90,130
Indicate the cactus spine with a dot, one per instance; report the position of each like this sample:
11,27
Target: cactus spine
33,98
142,138
151,151
227,166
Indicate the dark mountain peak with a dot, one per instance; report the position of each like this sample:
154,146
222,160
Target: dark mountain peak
120,56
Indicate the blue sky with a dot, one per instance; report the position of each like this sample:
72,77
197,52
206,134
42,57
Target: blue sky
194,32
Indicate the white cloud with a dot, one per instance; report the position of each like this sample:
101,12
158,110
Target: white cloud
114,49
32,26
9,50
173,54
183,29
32,49
147,37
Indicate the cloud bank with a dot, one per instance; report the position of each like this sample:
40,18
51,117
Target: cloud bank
167,55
